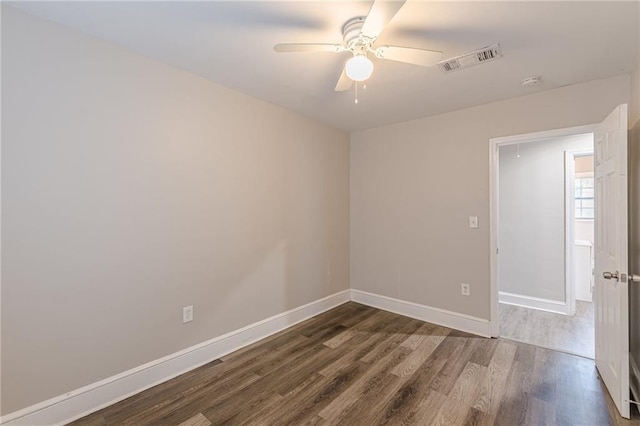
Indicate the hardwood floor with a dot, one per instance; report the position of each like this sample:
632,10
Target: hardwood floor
356,365
567,333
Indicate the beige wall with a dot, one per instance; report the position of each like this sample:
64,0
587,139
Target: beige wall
414,185
584,164
532,216
131,189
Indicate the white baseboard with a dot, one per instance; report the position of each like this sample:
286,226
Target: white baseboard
83,401
534,303
443,317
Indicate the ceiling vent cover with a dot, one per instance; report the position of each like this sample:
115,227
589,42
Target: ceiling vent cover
486,54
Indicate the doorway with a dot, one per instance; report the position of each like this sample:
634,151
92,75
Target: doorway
545,200
611,253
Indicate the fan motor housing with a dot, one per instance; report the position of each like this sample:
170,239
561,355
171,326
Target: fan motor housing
351,30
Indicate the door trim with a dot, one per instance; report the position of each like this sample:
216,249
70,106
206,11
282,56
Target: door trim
494,145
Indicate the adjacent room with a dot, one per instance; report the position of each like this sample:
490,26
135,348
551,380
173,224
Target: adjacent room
320,212
545,221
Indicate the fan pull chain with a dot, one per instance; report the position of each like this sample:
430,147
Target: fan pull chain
356,99
518,151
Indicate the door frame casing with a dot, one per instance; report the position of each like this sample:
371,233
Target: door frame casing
494,146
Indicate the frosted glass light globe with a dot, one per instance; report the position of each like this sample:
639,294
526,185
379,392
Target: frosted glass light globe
359,68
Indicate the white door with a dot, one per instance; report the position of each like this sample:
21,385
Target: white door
611,296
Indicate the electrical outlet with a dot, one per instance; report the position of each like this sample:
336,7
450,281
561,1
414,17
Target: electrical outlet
187,314
465,289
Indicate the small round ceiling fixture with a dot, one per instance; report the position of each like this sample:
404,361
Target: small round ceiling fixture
531,81
359,68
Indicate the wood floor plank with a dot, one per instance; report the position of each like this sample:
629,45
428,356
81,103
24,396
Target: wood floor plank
342,312
296,375
290,348
376,377
220,378
365,342
425,412
463,395
364,409
179,407
406,406
330,319
493,388
159,394
292,400
484,352
396,399
392,399
275,382
396,337
477,418
419,355
540,413
197,420
513,407
363,312
372,324
356,365
414,340
578,406
316,421
302,406
446,378
265,344
240,417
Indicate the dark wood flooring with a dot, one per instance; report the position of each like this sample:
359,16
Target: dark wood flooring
356,365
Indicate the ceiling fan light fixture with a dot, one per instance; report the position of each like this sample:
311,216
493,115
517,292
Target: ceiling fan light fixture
359,68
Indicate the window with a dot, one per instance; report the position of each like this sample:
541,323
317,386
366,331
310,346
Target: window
584,198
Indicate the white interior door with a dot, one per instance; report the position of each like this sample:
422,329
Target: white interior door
611,257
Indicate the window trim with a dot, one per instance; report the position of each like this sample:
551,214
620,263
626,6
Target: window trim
579,208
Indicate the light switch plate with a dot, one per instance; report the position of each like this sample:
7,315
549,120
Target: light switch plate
473,222
187,314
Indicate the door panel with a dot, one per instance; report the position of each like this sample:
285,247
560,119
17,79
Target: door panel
611,231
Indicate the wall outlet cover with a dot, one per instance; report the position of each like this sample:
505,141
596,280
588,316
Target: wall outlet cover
465,289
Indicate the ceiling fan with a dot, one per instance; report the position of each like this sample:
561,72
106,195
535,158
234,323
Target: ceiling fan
359,35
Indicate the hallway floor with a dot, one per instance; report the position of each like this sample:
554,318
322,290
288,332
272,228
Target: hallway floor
572,334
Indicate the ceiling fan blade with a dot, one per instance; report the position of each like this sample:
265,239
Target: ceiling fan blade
344,82
380,14
308,47
410,55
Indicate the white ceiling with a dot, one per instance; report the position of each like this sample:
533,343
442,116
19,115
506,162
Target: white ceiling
231,43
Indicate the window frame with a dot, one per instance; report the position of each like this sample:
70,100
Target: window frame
579,209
